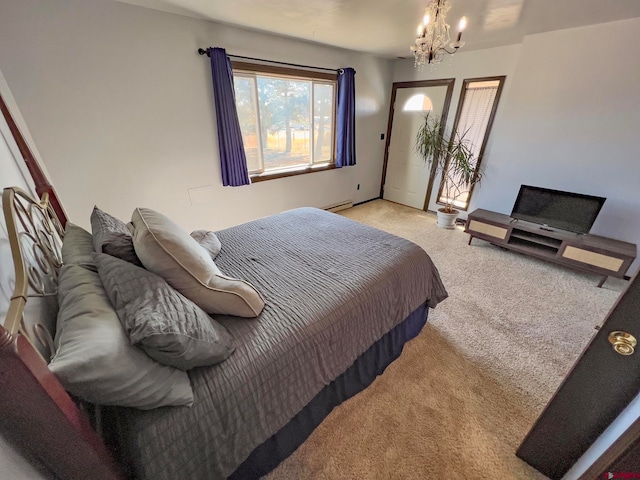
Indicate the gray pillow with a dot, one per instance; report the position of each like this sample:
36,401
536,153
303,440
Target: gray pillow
77,247
95,360
170,328
111,236
209,241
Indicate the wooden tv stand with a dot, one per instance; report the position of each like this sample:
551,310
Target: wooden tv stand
591,253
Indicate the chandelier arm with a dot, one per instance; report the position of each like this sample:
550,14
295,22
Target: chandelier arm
451,53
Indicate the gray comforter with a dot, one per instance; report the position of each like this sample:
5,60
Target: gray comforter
332,287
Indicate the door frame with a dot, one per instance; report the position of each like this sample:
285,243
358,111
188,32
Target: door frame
446,82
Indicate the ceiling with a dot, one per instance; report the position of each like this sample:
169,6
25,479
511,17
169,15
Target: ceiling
386,27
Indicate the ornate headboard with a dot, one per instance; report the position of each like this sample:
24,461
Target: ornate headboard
36,413
35,237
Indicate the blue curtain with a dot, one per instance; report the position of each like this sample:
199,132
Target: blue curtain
346,135
233,160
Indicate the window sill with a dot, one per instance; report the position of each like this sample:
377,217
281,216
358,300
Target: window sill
289,173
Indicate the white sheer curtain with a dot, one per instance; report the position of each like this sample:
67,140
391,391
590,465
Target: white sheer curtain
473,122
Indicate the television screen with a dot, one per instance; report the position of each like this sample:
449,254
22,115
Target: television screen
562,210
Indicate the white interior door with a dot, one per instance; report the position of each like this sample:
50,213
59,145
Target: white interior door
407,176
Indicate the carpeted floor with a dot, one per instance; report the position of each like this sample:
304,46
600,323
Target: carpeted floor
465,392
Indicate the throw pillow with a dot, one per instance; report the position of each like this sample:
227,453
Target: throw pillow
170,328
167,250
209,241
111,236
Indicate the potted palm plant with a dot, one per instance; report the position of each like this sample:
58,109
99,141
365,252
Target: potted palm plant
456,164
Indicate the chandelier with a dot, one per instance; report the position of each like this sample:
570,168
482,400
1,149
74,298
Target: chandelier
433,35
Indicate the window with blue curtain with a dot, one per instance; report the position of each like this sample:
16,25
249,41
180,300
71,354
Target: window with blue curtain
279,121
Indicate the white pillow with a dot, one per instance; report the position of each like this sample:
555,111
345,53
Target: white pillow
209,241
96,361
168,251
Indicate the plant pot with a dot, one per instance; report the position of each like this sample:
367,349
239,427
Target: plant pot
447,220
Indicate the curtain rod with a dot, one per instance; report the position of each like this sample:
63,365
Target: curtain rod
203,51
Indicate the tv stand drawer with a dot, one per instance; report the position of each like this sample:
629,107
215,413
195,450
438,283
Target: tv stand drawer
488,229
593,258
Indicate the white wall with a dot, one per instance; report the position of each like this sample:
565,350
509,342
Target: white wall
121,108
571,122
13,172
479,63
12,464
568,119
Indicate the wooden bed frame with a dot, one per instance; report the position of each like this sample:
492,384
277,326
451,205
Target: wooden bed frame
38,416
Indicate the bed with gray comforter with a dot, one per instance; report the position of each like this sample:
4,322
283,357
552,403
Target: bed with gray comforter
333,287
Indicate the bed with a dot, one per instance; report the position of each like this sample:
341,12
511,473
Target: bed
341,300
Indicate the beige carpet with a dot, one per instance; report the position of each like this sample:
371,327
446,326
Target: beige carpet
465,392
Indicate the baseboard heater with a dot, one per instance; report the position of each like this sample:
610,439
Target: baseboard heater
339,206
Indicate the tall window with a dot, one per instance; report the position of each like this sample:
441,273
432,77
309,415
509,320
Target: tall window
287,118
476,110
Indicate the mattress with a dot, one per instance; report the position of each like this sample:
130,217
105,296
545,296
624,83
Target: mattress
333,287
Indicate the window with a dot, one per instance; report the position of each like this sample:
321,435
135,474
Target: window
287,119
418,103
476,110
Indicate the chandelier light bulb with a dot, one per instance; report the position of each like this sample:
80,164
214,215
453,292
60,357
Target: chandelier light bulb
425,20
461,26
420,27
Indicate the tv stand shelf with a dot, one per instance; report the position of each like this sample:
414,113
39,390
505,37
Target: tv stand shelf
592,253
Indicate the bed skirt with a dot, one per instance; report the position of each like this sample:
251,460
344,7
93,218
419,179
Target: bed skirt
356,378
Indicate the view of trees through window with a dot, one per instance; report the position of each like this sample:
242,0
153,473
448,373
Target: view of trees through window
285,122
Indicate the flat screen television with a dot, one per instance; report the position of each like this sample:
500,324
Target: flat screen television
553,208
